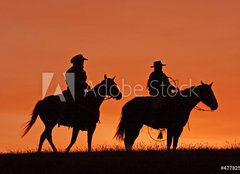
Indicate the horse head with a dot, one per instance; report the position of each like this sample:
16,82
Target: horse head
207,96
111,88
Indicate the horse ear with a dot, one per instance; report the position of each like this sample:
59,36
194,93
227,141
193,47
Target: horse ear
105,76
202,82
113,78
211,84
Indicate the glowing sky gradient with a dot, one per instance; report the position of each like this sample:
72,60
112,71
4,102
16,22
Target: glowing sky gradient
197,40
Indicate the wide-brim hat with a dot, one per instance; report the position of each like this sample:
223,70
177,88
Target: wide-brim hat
157,64
78,58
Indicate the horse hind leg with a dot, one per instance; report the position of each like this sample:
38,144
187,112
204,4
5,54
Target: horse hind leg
49,138
42,139
131,134
169,138
47,134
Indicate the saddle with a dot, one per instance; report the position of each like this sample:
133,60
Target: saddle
75,113
160,109
68,96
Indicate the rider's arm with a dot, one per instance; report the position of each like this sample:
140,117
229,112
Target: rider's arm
167,82
86,86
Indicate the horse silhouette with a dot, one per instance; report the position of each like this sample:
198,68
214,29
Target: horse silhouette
172,115
52,112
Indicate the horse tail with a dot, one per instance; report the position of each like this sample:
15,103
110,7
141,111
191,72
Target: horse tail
35,114
121,126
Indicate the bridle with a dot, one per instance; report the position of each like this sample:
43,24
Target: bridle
175,82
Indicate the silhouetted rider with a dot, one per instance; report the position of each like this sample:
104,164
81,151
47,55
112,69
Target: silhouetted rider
159,86
76,78
158,83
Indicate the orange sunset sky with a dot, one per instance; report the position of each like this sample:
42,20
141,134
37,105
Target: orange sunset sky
198,40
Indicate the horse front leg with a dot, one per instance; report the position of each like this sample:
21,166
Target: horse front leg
89,137
176,137
73,140
169,138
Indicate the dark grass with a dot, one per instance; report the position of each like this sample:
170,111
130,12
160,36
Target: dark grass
136,162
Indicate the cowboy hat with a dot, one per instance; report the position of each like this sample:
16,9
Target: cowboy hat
78,58
157,64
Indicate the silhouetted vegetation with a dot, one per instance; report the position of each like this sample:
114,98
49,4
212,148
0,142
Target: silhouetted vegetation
195,160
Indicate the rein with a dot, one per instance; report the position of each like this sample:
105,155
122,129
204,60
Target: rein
106,98
196,107
175,82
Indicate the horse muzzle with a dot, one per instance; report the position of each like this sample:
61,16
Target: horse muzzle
119,97
213,108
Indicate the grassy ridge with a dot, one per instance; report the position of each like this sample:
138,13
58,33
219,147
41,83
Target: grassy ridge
181,161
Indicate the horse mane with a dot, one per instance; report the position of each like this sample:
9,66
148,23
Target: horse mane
94,90
186,91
